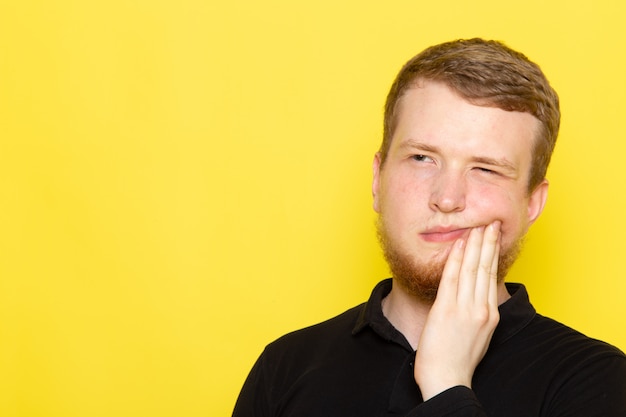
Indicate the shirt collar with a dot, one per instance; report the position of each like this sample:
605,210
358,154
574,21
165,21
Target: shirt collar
515,314
372,316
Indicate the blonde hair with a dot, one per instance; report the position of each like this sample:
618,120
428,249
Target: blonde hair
486,73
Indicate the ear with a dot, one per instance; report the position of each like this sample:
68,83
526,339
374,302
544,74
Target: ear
376,168
537,201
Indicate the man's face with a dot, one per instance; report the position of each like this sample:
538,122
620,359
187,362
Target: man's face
452,166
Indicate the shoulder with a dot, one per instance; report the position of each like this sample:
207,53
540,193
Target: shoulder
315,339
546,365
290,360
587,376
568,340
568,358
526,332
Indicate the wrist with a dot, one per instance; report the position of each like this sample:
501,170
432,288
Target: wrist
435,385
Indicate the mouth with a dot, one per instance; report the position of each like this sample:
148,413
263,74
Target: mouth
444,234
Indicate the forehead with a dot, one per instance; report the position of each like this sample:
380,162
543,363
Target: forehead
431,112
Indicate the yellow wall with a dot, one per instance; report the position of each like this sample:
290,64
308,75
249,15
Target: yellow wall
183,181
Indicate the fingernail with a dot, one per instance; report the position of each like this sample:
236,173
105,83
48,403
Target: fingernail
495,226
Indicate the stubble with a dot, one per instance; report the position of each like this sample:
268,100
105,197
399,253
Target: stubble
421,280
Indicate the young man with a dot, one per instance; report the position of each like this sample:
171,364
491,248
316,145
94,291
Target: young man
470,127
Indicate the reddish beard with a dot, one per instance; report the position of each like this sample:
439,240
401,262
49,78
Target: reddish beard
421,280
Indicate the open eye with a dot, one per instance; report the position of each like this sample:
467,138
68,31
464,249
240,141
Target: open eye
421,158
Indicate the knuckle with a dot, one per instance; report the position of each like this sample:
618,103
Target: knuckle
481,315
485,316
473,271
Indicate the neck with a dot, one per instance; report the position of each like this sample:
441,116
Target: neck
408,313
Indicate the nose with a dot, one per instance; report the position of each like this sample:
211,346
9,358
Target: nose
448,193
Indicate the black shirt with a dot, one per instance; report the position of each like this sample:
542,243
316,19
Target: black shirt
358,364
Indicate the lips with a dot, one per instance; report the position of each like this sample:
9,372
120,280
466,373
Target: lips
444,234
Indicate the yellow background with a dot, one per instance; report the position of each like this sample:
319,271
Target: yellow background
183,181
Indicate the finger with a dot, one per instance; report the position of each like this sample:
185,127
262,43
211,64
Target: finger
450,277
488,257
469,267
493,278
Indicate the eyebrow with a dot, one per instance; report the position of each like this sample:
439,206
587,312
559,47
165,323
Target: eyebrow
496,162
413,144
502,163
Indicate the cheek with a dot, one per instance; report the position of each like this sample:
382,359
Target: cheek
403,206
400,194
509,209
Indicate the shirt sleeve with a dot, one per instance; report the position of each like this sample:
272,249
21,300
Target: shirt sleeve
595,388
459,401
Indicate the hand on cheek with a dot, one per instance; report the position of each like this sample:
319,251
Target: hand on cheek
462,320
